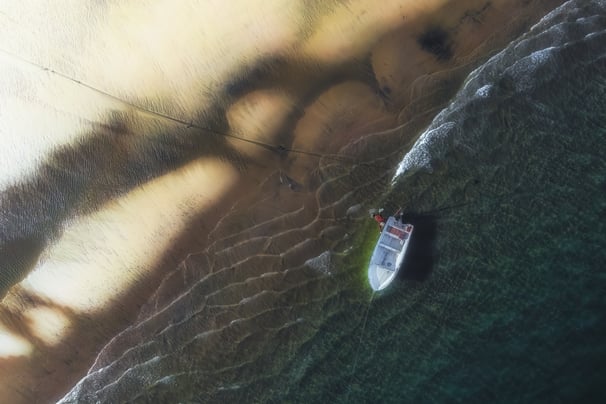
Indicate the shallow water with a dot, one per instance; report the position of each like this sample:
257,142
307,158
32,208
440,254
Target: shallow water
501,299
514,180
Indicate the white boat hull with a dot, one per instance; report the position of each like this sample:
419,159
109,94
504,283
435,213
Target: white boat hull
389,253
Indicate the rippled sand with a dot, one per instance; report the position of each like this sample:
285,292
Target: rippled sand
179,167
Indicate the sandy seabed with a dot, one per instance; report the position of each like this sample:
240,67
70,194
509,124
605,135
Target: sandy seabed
207,155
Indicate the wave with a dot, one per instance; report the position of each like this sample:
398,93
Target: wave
179,342
573,34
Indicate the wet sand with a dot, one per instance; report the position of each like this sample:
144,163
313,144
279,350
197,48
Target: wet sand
356,86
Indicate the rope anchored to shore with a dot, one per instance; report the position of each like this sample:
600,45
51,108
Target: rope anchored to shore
277,148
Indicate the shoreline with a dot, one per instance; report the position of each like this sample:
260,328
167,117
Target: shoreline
303,209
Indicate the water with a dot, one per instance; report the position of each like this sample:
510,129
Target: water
513,310
502,299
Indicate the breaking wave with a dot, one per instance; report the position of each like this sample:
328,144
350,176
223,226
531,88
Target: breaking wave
574,34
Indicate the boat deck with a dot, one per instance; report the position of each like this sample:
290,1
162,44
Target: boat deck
389,253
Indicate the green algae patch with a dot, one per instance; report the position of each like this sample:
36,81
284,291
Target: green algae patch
358,258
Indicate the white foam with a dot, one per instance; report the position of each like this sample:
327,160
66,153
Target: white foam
166,380
322,263
230,387
524,70
420,154
484,91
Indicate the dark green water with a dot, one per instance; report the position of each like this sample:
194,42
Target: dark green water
513,309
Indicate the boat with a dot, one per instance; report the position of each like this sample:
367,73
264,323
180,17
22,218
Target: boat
389,253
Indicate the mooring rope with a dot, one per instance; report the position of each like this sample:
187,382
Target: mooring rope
279,149
357,353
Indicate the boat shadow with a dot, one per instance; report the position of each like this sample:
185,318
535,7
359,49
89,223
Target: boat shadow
419,260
